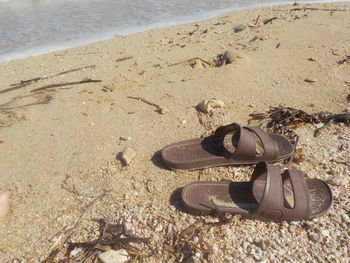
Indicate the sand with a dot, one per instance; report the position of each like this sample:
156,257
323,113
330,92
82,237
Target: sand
60,154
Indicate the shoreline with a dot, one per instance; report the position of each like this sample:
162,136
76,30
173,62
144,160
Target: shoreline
108,35
61,136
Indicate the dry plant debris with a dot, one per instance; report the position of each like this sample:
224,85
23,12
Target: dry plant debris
24,83
283,120
160,109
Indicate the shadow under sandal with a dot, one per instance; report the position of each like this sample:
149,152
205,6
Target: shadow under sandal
229,145
269,196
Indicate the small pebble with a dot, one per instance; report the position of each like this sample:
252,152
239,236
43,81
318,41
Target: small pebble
112,256
313,58
325,233
125,138
310,80
4,203
314,237
75,252
345,218
159,228
239,28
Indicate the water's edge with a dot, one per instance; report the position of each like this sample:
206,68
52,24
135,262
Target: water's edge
39,50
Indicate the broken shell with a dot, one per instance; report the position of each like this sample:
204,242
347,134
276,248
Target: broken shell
163,110
208,105
313,58
4,203
310,80
239,28
198,64
127,155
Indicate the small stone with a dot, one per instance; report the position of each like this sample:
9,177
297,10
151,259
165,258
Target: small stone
245,245
239,28
170,229
112,256
310,80
127,155
325,233
4,203
159,228
263,244
314,237
183,121
345,218
125,138
75,252
313,58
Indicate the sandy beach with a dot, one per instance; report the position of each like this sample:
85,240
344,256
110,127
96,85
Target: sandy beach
60,145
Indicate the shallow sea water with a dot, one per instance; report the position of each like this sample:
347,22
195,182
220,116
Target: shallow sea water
30,27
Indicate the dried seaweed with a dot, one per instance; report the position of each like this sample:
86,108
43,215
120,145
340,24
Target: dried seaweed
184,248
113,236
284,120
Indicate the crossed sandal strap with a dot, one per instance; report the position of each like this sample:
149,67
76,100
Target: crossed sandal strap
302,202
269,145
269,192
246,147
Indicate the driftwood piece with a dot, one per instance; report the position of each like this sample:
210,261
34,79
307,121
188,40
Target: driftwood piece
69,71
50,86
160,109
269,20
111,241
123,58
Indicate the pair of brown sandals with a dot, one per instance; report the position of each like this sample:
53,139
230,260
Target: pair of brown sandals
270,195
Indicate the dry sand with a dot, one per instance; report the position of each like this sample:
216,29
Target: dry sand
57,157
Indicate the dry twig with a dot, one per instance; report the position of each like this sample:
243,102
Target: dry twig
160,109
189,60
50,86
24,83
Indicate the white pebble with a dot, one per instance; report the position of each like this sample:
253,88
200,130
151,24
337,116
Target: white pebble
4,203
112,256
125,138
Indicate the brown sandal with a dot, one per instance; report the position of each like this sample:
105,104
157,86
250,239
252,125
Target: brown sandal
270,195
231,144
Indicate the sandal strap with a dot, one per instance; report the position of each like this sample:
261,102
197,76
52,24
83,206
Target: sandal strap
301,194
246,148
268,191
270,146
